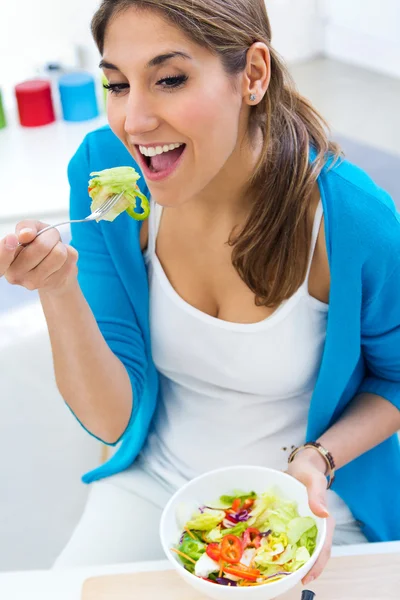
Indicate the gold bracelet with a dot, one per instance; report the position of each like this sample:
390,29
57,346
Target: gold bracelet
326,455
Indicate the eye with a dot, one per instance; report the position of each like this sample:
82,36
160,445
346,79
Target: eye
173,82
115,88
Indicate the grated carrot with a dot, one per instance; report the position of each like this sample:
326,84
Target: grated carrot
191,534
221,570
184,555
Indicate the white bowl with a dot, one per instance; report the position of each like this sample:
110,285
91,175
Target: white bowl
208,488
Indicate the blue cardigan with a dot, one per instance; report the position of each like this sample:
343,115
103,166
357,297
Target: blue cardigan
362,349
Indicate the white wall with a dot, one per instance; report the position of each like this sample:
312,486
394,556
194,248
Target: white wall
364,32
296,28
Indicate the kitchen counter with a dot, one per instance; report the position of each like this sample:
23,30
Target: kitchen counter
66,584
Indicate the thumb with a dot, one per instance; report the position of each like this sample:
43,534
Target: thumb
317,494
26,231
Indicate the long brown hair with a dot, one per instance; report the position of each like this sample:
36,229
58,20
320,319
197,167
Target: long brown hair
271,252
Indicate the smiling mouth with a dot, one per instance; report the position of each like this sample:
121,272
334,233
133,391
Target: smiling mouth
163,162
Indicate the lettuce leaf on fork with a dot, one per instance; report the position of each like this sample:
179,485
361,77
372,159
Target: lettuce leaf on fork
104,184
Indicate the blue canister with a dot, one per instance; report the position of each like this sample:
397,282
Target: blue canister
78,96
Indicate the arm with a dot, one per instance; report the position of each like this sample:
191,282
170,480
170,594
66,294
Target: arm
373,415
92,380
368,421
111,363
98,349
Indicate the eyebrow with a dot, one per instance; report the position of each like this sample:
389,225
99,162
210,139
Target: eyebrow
154,62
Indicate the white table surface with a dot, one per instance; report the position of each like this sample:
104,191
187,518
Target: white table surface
66,584
33,167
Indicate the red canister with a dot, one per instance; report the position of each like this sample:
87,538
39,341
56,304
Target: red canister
35,104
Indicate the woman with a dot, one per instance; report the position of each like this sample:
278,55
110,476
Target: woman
257,227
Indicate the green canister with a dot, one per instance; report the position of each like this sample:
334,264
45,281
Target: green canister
3,121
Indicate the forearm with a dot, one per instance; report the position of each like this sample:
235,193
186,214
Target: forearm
368,421
92,380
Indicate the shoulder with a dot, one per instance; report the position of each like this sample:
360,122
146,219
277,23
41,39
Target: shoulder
356,206
361,221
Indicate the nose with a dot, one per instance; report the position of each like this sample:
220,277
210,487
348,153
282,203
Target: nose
140,118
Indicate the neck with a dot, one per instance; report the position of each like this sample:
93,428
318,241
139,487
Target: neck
225,198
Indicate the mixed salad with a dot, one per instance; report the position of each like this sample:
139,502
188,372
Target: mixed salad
246,539
114,181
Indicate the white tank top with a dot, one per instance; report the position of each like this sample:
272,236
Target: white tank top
231,393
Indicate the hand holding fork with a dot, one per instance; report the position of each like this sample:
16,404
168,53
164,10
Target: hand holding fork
46,263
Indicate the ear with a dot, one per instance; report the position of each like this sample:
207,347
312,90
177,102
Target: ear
258,73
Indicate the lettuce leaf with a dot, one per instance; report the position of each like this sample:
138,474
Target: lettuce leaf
206,521
265,557
104,184
262,508
309,539
276,523
216,534
236,530
293,538
191,547
227,501
297,527
301,557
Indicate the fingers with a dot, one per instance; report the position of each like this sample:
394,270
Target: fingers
33,254
52,263
44,263
324,556
68,272
30,224
27,230
8,248
315,482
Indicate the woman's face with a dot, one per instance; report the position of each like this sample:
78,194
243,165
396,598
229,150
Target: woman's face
158,100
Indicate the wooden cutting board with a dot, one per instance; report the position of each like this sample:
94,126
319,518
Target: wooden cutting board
371,577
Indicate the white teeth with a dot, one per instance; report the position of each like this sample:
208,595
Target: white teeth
153,150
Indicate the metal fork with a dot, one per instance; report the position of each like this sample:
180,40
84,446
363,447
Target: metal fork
100,212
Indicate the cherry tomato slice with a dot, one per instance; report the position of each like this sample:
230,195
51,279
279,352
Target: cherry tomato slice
231,549
243,572
214,551
251,538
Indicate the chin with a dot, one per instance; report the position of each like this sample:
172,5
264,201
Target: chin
166,201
